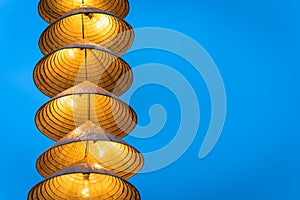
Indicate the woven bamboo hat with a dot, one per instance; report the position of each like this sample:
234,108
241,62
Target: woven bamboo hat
50,10
83,102
91,142
88,25
84,180
72,64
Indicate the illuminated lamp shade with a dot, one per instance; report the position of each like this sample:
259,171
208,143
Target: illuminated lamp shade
64,68
85,102
93,143
88,25
50,10
84,180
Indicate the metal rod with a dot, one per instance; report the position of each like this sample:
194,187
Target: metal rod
86,77
86,149
89,106
89,118
85,64
82,24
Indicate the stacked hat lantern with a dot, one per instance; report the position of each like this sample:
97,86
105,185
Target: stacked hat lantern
83,74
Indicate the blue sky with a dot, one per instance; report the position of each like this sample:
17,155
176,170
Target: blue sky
255,45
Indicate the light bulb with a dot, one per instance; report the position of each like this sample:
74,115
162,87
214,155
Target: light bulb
102,22
71,53
67,101
101,152
96,165
70,102
86,192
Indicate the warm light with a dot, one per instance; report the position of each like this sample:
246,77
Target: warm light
70,101
71,52
81,3
101,152
96,165
78,131
66,101
102,22
82,164
86,192
97,149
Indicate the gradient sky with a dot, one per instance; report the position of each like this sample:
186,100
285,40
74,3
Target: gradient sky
256,47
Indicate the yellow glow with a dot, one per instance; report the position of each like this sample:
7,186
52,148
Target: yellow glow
70,102
71,52
103,22
98,166
82,4
101,152
98,149
85,191
78,131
